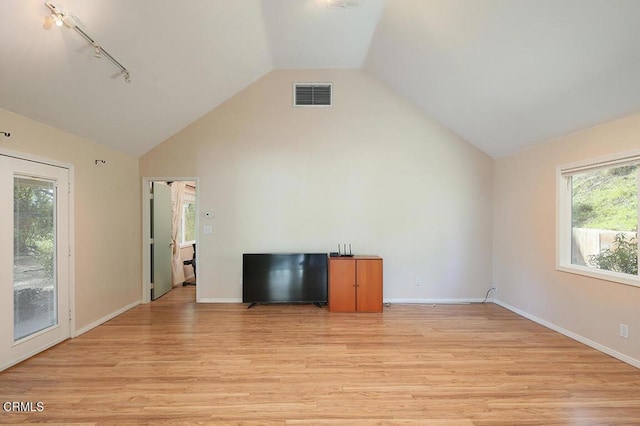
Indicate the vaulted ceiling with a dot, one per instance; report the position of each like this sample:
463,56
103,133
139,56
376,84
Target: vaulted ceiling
503,74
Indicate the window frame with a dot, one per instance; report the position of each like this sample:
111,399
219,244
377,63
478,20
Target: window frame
564,217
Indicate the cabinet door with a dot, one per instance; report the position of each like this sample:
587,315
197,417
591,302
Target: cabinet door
342,285
369,285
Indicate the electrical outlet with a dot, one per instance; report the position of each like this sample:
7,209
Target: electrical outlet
624,331
418,281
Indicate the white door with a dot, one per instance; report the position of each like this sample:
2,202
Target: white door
34,258
162,245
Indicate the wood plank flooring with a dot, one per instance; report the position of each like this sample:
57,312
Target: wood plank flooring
174,361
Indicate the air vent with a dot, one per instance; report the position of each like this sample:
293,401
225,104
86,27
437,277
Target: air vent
312,94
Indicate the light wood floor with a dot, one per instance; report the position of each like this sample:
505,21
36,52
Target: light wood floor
173,361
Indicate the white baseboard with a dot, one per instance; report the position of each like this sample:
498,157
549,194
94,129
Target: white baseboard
218,300
434,301
104,319
622,357
392,301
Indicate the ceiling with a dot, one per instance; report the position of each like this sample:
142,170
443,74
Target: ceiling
503,74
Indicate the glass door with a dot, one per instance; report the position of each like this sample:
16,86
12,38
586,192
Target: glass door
34,258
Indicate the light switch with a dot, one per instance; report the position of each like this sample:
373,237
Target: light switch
208,229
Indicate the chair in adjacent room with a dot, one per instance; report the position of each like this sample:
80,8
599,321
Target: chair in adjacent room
191,262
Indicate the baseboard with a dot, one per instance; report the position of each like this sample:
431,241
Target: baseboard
392,301
604,349
104,319
218,300
435,301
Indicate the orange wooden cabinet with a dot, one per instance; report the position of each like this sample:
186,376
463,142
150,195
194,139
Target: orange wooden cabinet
355,284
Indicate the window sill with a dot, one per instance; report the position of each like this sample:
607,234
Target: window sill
615,277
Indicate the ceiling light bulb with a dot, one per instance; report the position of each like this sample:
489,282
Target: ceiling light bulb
127,77
57,19
97,53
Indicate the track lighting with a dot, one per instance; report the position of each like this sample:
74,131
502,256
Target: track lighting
57,19
69,20
6,134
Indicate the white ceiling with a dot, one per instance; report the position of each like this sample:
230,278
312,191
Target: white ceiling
507,74
503,74
307,34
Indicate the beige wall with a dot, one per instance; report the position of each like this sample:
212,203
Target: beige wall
107,214
372,171
525,242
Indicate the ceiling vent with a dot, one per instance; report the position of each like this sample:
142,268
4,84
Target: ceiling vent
312,94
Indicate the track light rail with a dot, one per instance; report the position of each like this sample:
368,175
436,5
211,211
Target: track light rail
61,18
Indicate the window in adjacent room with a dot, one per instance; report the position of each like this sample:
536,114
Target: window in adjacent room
598,219
188,225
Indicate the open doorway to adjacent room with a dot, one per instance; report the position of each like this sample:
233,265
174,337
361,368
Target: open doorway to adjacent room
170,222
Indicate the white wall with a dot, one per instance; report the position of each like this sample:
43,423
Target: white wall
107,214
525,243
373,171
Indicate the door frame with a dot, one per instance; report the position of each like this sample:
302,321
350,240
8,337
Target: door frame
71,265
146,230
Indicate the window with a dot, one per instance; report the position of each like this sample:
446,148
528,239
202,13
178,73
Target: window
188,225
598,219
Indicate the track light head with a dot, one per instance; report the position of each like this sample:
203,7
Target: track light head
57,20
57,16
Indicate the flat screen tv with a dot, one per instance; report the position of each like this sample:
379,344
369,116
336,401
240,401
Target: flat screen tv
284,278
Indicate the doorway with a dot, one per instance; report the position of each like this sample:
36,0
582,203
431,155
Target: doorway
170,224
35,257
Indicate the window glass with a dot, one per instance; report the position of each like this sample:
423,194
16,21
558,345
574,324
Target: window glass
34,242
188,222
604,219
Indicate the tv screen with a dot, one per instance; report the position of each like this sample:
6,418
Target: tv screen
284,278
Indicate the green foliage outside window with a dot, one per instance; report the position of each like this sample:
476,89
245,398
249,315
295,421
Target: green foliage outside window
606,201
189,219
622,258
33,224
